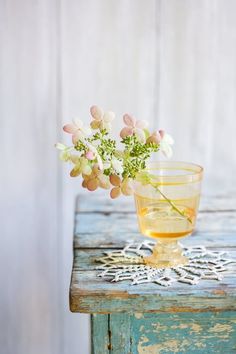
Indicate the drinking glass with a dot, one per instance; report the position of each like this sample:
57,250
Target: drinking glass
167,207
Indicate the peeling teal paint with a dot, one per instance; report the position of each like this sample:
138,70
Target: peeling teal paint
152,333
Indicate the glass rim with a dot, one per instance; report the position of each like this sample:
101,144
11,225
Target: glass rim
193,173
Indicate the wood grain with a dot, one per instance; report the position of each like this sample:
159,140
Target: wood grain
113,228
96,232
220,201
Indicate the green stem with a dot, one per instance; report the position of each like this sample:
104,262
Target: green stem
171,203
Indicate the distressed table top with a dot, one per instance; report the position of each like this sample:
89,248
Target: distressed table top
102,224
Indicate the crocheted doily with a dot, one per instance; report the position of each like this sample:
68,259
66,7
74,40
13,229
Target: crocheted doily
128,264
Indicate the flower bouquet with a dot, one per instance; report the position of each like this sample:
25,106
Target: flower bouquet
166,193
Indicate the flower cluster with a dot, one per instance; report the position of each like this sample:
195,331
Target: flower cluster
95,156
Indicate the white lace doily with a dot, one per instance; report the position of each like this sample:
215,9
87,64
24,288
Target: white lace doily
127,264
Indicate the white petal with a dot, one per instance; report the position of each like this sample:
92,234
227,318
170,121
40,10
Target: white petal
75,159
140,134
65,156
106,165
117,165
107,126
100,164
86,130
79,124
166,149
168,139
108,116
91,147
86,170
142,124
60,146
83,161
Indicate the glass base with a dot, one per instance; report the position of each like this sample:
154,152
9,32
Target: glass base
166,254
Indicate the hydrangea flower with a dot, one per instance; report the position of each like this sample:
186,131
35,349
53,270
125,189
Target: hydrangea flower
120,186
81,166
77,129
134,126
164,140
95,179
101,120
99,160
65,154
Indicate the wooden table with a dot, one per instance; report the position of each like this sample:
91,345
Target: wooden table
148,318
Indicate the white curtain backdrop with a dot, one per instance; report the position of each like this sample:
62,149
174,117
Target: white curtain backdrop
171,62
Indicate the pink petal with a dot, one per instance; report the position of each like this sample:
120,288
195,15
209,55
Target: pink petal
74,172
70,128
96,112
128,120
126,188
115,180
104,182
126,132
115,192
162,133
92,184
90,155
154,138
142,124
84,184
95,124
96,170
157,136
75,138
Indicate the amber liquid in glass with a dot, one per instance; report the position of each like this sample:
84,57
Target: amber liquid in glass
158,219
